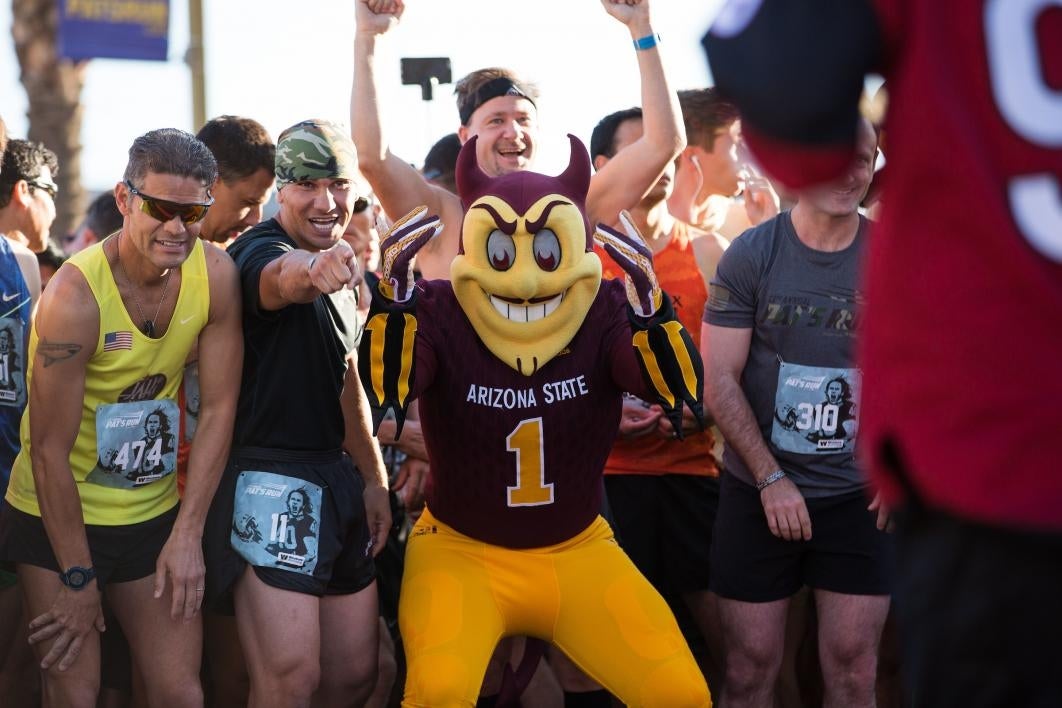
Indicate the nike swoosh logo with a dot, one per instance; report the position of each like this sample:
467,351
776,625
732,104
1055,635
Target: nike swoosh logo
9,298
186,320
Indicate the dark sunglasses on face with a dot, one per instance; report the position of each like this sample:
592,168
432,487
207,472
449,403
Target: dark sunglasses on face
163,210
362,203
51,189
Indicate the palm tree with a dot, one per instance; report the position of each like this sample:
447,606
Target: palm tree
53,87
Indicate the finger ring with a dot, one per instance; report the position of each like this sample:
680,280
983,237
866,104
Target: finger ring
199,589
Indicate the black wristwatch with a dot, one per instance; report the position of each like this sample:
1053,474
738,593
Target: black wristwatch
76,578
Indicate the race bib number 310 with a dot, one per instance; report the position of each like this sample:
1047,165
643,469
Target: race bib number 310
276,521
816,409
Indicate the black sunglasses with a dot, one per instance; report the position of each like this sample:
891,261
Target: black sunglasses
163,210
51,189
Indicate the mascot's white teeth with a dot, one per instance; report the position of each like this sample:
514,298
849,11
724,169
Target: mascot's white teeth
526,313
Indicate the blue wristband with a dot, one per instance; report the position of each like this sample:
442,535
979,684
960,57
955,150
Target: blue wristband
647,42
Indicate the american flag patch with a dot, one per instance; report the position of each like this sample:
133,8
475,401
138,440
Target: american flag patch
114,341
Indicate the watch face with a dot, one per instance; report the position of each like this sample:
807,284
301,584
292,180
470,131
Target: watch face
77,578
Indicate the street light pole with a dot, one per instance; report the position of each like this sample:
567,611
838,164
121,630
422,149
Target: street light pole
195,60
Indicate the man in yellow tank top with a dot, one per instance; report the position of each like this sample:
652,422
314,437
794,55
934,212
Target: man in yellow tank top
92,505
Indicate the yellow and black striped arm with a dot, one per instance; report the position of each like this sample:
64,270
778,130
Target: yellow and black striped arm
670,363
385,355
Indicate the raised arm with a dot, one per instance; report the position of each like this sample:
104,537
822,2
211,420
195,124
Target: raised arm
633,171
221,347
725,351
67,325
397,185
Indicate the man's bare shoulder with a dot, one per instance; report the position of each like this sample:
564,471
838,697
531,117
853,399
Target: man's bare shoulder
68,318
224,279
27,263
219,263
708,247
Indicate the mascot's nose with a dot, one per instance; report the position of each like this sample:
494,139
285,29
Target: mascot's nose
523,280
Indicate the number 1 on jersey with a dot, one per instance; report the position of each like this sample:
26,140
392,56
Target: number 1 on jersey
531,488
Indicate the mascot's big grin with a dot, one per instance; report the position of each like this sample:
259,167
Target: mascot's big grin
526,274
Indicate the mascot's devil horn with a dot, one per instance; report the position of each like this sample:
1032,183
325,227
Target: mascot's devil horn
471,181
577,175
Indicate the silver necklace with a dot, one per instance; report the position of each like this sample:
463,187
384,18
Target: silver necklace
148,327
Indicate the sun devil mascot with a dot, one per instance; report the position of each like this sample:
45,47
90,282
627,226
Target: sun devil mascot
520,363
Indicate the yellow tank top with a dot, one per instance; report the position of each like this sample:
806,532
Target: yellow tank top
125,453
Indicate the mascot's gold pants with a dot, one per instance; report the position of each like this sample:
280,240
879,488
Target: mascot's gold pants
460,596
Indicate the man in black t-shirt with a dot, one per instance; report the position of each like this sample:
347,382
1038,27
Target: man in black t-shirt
301,428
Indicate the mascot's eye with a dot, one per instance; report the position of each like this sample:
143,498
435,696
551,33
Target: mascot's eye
501,250
547,250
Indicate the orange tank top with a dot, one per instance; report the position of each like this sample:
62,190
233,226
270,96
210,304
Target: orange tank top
676,269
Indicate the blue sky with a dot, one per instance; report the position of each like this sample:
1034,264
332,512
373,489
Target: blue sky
270,62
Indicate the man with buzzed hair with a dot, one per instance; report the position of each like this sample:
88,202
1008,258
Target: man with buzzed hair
302,424
502,110
245,153
108,346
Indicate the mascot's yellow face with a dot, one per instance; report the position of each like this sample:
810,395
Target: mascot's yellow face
525,280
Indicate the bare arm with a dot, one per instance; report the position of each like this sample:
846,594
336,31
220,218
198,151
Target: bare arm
399,187
724,351
363,449
67,325
221,351
412,440
633,171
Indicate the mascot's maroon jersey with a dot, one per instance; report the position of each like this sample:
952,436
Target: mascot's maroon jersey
962,334
516,460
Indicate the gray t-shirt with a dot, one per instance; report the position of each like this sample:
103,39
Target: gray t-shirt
802,305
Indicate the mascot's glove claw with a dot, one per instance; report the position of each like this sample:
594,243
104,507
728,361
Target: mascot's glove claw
630,253
670,364
397,248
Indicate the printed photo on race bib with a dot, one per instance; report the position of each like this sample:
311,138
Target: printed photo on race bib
136,443
276,521
816,409
12,363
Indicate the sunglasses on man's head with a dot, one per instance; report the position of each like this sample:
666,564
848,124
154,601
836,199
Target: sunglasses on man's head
51,189
163,210
362,203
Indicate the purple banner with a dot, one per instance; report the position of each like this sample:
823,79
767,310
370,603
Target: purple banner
115,29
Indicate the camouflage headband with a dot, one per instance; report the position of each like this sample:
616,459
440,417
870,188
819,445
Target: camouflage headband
315,149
